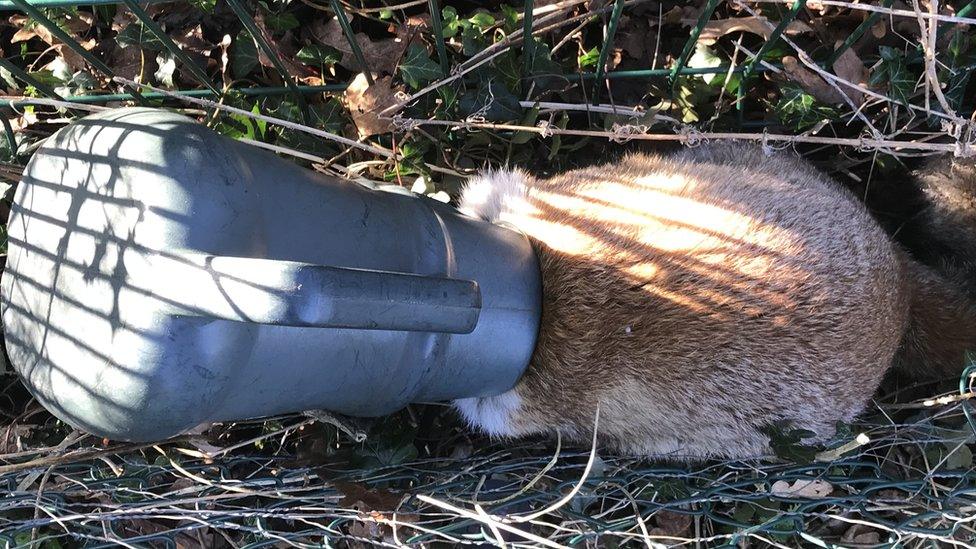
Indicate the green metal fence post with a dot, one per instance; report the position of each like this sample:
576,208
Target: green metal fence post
351,38
527,41
438,29
692,40
618,9
790,16
258,37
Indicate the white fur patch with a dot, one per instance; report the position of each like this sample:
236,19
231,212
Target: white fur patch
493,414
488,195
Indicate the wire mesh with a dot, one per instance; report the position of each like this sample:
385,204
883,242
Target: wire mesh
901,477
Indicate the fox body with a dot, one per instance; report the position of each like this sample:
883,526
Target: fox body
699,299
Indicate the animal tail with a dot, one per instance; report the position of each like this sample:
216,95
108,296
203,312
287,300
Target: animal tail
942,329
946,227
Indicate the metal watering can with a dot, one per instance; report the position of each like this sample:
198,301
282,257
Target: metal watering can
160,276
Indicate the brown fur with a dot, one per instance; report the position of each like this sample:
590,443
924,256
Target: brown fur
701,298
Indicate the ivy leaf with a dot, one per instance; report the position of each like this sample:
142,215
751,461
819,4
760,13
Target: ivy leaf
329,115
530,118
961,458
243,55
472,40
417,68
962,61
492,101
511,18
451,23
799,110
589,59
204,5
894,71
508,68
281,22
482,20
557,140
704,58
237,126
449,98
541,62
135,34
787,443
317,56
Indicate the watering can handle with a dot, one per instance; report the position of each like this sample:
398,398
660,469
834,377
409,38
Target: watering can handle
288,293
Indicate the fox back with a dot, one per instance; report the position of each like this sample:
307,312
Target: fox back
698,300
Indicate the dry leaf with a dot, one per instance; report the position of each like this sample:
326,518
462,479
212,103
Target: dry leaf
756,25
358,496
880,29
811,82
75,24
638,39
74,59
365,103
24,34
850,68
294,68
131,63
671,524
382,56
687,16
861,534
812,489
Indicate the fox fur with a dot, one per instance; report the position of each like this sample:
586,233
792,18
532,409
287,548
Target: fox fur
700,298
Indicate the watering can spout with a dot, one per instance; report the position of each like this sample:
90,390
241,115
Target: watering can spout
289,293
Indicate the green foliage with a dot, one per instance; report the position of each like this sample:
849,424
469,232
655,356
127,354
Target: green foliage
417,68
243,55
541,63
387,444
960,67
799,110
894,74
238,126
329,115
317,55
510,18
136,34
589,59
204,5
787,443
491,100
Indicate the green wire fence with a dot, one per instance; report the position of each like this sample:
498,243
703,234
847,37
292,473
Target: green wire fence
268,491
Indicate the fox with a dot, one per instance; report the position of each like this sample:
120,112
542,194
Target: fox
693,301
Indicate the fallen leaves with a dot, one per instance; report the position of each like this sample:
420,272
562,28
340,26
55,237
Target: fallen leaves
811,82
382,55
754,25
802,488
73,23
849,67
365,102
671,524
362,498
